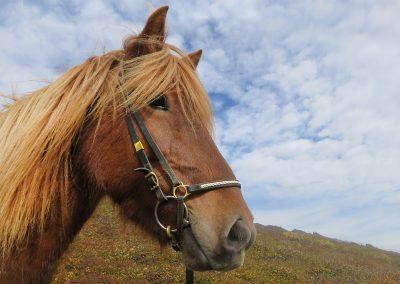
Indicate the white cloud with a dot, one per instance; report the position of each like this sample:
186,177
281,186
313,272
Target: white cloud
306,95
38,43
317,118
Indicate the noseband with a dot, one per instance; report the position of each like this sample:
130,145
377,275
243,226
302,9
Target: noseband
179,191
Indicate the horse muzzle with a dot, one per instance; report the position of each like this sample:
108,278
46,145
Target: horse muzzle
227,253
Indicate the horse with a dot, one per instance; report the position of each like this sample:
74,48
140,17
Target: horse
66,146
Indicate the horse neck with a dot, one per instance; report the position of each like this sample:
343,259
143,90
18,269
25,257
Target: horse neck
37,262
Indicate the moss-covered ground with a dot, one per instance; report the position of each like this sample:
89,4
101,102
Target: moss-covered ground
106,251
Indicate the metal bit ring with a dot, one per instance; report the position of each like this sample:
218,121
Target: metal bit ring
169,197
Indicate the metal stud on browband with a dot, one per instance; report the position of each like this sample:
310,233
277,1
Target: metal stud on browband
138,146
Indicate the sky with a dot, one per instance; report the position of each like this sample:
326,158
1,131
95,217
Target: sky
305,94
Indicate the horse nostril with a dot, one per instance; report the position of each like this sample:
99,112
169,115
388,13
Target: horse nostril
239,235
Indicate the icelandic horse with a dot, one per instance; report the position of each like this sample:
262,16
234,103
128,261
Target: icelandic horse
66,146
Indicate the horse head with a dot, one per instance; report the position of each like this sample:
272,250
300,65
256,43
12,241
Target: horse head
177,113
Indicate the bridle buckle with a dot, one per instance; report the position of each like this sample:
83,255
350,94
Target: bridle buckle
152,177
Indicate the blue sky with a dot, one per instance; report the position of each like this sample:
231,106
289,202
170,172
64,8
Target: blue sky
306,95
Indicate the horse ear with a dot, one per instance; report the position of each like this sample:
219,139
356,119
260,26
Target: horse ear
155,25
195,57
155,29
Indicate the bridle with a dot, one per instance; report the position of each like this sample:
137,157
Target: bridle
180,191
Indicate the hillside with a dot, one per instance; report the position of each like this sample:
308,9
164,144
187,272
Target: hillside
107,252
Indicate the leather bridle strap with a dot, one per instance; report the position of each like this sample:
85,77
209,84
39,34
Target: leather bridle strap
146,168
160,156
212,185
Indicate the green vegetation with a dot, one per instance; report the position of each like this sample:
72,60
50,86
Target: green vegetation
107,252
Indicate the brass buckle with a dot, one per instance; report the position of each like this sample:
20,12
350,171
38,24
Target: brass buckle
180,187
153,174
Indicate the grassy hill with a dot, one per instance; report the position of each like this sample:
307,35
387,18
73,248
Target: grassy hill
106,252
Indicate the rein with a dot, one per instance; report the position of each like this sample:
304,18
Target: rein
179,191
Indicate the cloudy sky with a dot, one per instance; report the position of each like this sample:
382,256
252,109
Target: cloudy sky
306,95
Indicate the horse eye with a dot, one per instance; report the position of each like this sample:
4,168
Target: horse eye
160,103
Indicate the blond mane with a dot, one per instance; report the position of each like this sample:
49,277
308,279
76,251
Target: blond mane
37,131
